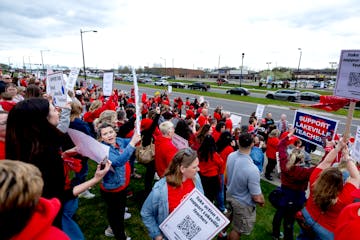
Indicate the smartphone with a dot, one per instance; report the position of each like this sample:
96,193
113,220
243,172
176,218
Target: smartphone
103,163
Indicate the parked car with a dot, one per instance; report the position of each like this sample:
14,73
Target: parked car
199,86
289,95
177,85
238,91
220,81
311,96
145,80
161,83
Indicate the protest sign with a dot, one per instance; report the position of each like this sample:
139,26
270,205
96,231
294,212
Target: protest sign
259,111
57,89
180,142
347,81
137,103
313,128
71,80
108,83
236,120
195,218
169,89
88,146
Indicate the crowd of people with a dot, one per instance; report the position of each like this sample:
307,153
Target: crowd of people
223,161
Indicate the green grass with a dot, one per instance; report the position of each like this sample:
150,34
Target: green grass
91,215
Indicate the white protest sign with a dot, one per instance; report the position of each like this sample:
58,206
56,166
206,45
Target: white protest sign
57,89
236,120
201,99
347,81
88,146
195,218
108,83
71,80
48,72
259,111
137,103
169,89
356,147
180,142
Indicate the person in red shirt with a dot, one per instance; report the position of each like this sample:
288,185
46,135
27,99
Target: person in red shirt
217,113
272,147
3,119
211,166
204,117
228,121
164,148
219,129
23,213
328,193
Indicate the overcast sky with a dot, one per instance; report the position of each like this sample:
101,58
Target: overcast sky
186,33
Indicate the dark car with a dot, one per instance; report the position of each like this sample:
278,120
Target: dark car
199,86
311,96
238,91
177,85
288,95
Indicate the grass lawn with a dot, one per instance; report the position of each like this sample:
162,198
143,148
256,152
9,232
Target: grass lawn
91,215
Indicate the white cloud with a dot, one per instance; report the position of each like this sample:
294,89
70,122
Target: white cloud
186,33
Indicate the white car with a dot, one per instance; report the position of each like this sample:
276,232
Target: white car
161,83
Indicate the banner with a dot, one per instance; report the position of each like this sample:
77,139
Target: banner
313,128
259,111
195,218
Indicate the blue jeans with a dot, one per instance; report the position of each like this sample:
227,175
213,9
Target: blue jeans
69,226
221,196
320,232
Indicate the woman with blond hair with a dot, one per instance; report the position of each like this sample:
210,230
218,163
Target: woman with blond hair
272,147
328,193
180,179
294,182
24,214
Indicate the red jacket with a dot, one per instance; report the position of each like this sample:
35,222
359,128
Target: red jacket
39,227
109,105
164,153
213,167
272,147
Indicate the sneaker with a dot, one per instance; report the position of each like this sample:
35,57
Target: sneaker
126,209
127,216
156,177
109,232
225,211
270,178
87,195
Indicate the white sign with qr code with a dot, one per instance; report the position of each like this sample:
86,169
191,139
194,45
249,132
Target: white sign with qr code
195,218
348,75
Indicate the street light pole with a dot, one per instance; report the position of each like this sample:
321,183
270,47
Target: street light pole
82,48
42,59
242,64
296,81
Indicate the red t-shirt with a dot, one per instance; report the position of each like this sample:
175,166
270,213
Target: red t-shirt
176,195
329,218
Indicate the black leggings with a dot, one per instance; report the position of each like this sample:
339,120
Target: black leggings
270,167
211,186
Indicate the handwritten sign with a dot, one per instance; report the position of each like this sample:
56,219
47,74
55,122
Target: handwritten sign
180,142
347,82
71,80
313,128
57,89
195,218
259,111
108,83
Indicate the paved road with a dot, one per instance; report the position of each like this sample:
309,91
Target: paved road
244,109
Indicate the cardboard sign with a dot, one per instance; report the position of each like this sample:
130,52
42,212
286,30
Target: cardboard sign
180,142
313,128
195,218
348,76
57,89
71,80
108,83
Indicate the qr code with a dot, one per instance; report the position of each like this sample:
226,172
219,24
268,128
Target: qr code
354,79
188,227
